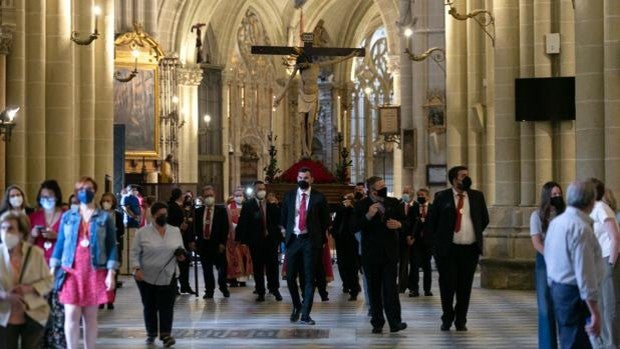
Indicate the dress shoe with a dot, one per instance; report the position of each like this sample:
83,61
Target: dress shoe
377,330
101,306
295,314
414,294
461,328
187,290
260,298
352,297
242,284
324,296
428,293
399,327
150,340
225,293
208,296
110,306
307,321
445,326
277,295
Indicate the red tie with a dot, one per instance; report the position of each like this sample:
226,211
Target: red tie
302,213
263,219
207,232
406,209
459,213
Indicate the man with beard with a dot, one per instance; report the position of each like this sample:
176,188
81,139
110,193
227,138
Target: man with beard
457,220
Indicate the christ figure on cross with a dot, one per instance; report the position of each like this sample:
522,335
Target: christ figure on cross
307,100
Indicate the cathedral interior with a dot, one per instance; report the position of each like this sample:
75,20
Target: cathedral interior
167,93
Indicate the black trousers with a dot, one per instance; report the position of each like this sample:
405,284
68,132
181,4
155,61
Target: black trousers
301,259
383,292
420,258
265,262
403,265
184,272
456,275
209,260
158,308
30,333
348,267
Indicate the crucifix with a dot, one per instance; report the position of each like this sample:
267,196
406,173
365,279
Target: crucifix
308,66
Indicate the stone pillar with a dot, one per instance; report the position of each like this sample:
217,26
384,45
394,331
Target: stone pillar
590,89
528,152
394,62
612,96
60,102
6,38
85,87
226,127
104,95
404,96
190,77
564,168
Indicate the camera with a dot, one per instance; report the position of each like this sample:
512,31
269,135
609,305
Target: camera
180,251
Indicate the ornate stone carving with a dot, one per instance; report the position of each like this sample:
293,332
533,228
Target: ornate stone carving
6,39
393,64
190,75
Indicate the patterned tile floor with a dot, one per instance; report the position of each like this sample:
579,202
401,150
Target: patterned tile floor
497,319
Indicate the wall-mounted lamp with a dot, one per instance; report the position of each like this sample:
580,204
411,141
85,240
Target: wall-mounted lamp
6,122
117,75
75,36
207,119
175,100
484,18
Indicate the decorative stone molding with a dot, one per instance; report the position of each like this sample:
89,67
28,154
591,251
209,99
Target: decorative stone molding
190,75
393,64
6,39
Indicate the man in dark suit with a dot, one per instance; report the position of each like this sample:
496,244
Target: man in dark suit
259,228
346,247
380,218
176,218
457,220
421,250
406,239
305,218
211,231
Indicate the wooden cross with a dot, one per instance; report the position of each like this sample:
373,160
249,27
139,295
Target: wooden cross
308,49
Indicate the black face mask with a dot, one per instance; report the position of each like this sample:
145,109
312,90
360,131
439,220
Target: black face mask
421,200
382,193
358,196
161,220
303,185
465,183
558,203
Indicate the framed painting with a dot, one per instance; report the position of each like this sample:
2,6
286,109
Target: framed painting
389,120
436,174
136,107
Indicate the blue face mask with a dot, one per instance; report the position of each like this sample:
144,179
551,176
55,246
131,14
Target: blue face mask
48,204
405,198
86,196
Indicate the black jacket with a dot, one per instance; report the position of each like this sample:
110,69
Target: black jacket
249,229
443,217
219,228
380,244
317,217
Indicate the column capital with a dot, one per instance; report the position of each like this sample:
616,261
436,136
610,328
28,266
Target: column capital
6,39
190,75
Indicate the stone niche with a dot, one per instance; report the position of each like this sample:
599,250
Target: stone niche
508,260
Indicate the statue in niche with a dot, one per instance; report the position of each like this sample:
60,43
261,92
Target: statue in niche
197,27
307,100
405,9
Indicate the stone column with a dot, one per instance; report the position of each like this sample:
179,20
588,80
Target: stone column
85,87
528,152
60,102
226,126
394,62
104,95
190,77
564,168
612,96
6,38
590,89
404,96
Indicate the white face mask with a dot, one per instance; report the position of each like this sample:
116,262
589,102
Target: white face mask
107,206
16,201
10,240
261,194
238,200
75,207
210,201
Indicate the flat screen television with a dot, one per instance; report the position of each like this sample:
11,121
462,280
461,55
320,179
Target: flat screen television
545,99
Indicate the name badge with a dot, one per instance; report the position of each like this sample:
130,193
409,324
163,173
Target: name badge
47,245
84,243
461,211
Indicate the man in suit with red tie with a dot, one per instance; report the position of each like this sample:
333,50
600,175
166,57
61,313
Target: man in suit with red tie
259,228
457,220
305,217
211,231
421,251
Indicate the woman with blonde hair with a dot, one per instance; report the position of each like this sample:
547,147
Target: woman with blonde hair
15,200
24,282
87,253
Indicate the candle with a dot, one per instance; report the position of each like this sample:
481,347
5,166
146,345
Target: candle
345,127
273,109
96,12
338,114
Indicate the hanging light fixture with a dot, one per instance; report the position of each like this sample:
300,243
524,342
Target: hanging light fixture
132,74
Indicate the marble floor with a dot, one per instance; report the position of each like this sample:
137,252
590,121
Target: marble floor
497,319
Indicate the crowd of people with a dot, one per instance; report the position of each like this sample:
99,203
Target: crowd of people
61,261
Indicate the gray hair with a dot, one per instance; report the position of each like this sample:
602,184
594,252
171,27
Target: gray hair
580,194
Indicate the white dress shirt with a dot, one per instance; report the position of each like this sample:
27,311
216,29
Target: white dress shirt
467,235
297,206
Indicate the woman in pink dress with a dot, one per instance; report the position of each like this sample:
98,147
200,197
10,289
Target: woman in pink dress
86,251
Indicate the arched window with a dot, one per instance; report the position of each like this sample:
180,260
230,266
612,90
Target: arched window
373,88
